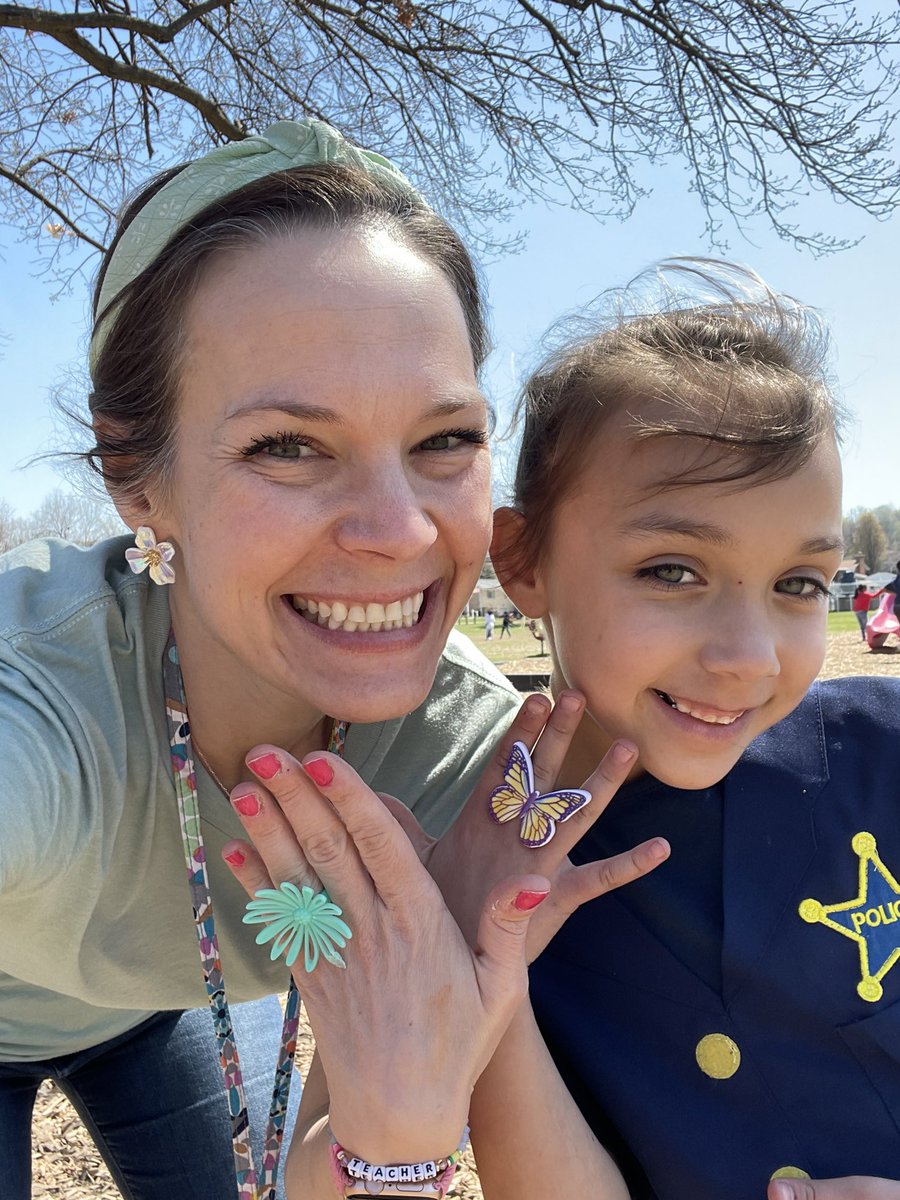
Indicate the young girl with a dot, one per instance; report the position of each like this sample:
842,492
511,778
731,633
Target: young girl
733,1018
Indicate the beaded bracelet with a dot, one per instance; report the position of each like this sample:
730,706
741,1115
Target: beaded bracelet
357,1179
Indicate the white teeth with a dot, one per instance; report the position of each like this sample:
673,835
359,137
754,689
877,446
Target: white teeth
710,720
358,618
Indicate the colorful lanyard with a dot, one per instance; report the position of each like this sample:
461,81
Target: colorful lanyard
249,1186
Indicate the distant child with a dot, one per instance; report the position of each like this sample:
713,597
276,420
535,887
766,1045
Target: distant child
489,624
861,601
729,1025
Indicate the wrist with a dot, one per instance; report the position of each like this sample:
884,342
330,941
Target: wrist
383,1134
355,1177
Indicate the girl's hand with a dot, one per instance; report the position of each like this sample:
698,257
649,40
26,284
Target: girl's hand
406,1029
853,1187
476,852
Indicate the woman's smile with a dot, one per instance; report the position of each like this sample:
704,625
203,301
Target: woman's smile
361,616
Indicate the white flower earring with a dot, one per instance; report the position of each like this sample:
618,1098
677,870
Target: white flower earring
152,554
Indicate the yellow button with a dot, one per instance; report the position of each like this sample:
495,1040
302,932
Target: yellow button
790,1173
718,1056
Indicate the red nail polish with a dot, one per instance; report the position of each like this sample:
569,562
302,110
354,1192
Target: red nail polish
319,771
526,900
235,858
266,766
248,805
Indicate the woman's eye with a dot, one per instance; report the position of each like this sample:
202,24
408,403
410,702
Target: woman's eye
799,585
452,439
290,446
287,450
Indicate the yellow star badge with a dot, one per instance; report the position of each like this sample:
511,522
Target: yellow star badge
871,919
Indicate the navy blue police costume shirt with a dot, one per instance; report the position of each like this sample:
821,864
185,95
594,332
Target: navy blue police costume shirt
736,1015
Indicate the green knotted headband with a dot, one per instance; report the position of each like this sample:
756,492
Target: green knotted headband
224,170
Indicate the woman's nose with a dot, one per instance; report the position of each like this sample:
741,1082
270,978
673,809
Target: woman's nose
388,516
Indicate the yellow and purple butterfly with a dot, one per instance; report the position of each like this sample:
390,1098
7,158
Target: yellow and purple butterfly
518,797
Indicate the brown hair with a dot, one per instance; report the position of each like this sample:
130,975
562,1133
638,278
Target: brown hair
745,379
133,404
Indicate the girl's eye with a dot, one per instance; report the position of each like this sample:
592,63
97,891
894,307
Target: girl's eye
802,586
452,439
668,574
291,446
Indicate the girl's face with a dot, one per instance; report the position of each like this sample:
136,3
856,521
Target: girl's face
694,619
330,501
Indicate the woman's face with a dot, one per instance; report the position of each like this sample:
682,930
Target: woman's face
330,501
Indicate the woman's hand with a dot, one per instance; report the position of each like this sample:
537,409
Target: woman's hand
406,1029
476,852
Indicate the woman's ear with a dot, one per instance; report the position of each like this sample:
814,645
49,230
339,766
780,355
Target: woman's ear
524,587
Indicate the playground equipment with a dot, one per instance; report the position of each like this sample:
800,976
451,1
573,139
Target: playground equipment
882,622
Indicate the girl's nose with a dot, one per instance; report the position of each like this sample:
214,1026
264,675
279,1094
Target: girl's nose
742,641
387,517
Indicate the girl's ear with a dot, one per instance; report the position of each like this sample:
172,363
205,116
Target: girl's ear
524,587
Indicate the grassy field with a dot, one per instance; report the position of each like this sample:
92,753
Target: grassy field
521,651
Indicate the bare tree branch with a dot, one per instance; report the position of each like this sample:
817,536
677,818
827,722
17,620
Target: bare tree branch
482,102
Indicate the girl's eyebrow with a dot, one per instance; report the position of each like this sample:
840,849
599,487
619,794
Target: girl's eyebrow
657,522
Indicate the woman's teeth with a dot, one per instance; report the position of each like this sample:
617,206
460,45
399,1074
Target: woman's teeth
708,717
358,618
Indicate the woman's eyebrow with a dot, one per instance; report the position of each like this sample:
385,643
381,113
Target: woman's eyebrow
323,415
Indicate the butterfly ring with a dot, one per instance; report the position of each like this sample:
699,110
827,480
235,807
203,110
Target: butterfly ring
539,814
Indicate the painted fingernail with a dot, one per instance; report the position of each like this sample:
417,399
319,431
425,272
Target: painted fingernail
622,753
266,766
319,771
526,900
235,858
248,804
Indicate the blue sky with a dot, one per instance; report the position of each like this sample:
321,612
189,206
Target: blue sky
569,259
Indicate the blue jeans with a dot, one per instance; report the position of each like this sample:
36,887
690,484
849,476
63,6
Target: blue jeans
154,1103
863,618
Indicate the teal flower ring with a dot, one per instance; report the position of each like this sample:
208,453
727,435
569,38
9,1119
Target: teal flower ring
298,919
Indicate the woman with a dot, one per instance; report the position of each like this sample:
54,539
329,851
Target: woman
286,412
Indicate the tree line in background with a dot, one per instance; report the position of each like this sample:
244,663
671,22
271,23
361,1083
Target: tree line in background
76,518
875,534
872,533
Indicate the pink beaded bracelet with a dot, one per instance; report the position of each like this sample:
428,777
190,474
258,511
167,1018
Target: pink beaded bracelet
357,1179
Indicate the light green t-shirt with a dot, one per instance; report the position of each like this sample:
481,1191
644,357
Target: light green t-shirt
96,928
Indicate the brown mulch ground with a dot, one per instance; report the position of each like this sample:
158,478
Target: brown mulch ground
66,1164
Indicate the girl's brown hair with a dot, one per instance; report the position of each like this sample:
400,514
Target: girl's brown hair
744,378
